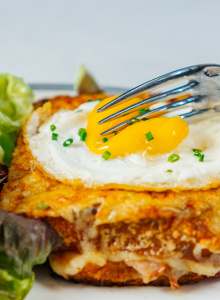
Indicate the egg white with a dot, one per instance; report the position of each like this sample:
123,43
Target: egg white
139,169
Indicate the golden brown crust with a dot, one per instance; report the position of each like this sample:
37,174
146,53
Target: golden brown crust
67,232
118,274
67,102
161,281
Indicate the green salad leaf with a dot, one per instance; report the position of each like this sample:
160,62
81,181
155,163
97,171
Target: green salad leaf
16,103
13,288
24,243
85,83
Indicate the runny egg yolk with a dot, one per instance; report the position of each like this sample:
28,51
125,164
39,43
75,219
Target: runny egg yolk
167,133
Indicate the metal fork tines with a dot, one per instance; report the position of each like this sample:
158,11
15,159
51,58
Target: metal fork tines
202,96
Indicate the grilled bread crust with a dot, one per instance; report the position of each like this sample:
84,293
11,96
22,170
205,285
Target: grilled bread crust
119,275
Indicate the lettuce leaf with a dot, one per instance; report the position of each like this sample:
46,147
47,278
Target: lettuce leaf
12,288
24,243
84,83
16,103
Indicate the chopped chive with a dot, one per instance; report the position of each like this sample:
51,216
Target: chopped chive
79,110
134,120
52,127
106,155
141,111
41,205
197,154
149,136
115,132
196,150
201,158
174,157
145,119
169,171
89,100
100,99
68,142
54,136
81,130
82,133
83,136
105,140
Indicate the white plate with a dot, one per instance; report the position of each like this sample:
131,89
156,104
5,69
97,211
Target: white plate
48,288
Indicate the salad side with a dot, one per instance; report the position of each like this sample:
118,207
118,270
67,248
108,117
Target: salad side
23,242
16,103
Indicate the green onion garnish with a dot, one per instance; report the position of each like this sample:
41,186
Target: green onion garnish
196,150
83,136
149,136
81,130
106,155
54,136
201,158
197,154
52,127
145,119
115,132
141,111
82,133
134,120
89,100
100,99
68,142
169,171
79,110
174,157
105,140
41,205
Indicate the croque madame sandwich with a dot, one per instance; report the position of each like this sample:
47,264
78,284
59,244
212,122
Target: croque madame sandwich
138,207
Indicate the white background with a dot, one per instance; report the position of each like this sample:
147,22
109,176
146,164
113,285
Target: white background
122,42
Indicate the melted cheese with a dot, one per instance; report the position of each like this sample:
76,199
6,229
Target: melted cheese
70,263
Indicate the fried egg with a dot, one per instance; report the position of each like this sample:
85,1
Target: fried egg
142,167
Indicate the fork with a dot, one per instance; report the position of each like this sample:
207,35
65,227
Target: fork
203,88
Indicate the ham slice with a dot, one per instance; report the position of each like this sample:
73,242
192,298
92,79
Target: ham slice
152,270
149,270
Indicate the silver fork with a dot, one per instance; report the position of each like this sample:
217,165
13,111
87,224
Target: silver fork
204,101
